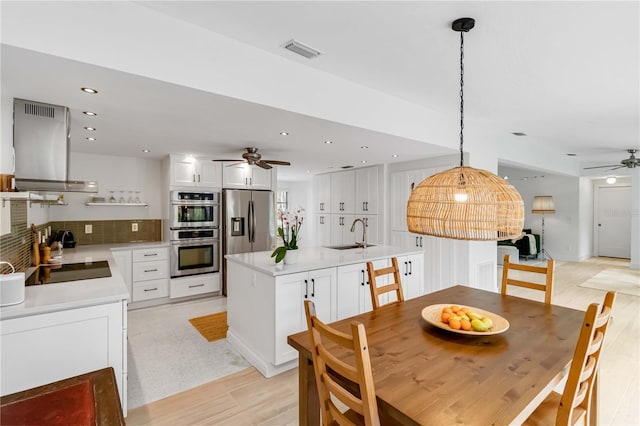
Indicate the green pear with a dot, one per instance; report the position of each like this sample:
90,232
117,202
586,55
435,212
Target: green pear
478,325
487,321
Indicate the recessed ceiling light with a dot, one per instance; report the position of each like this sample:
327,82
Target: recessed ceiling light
519,134
506,178
284,133
571,155
364,161
328,142
611,180
91,129
146,150
395,155
364,147
89,90
91,139
89,113
309,171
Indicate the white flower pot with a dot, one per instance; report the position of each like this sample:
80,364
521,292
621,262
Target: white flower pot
291,257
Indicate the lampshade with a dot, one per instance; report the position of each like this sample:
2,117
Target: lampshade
464,203
543,204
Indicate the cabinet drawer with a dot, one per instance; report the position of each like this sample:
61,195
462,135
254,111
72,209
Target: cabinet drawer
150,289
189,286
143,255
154,270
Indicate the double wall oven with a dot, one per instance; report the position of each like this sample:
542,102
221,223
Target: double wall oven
194,232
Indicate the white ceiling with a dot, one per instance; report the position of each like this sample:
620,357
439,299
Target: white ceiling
565,73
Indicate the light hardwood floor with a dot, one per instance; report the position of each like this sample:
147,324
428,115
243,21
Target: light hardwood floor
247,398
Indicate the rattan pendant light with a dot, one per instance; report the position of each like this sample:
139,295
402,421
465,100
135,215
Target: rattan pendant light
464,203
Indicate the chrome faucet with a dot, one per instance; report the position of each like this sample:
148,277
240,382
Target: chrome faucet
364,231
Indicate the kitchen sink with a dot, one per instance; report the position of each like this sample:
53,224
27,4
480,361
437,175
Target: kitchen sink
349,246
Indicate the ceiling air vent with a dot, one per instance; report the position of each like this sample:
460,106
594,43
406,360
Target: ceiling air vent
302,49
39,110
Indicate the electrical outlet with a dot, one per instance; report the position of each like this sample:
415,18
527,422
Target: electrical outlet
88,229
134,227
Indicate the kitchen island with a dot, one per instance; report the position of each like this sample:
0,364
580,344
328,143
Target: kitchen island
66,329
265,299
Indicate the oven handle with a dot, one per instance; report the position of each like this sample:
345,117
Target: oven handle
193,241
193,203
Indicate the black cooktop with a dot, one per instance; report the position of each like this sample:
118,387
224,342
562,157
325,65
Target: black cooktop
69,272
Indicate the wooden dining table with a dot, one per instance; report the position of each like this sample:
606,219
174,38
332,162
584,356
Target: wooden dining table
427,375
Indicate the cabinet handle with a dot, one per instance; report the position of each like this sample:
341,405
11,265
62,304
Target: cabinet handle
194,178
196,285
420,241
366,222
151,270
313,287
151,289
250,181
417,242
150,254
306,288
321,206
198,178
363,206
410,268
362,283
406,269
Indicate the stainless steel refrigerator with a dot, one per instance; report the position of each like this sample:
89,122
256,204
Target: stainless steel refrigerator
248,223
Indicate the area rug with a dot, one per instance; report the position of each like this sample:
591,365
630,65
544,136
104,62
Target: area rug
212,327
625,281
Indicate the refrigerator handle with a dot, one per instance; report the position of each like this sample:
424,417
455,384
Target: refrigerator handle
252,223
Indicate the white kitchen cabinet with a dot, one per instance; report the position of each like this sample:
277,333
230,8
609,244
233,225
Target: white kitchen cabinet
402,184
367,190
343,192
323,229
341,229
123,260
150,273
353,295
322,185
194,285
195,172
291,292
412,275
45,348
245,176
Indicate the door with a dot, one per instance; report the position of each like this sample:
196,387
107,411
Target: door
321,288
234,175
210,174
614,221
323,230
259,178
367,190
262,220
236,217
183,172
352,283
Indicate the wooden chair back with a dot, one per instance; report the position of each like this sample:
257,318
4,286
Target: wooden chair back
376,290
547,271
575,403
360,374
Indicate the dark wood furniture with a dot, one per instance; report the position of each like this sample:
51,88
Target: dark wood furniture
88,399
425,375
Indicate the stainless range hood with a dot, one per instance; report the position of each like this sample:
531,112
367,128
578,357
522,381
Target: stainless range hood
41,143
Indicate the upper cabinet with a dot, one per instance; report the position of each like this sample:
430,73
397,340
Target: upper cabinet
402,184
323,193
367,190
343,192
245,176
195,172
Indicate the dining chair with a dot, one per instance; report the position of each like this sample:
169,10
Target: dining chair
575,404
362,404
547,271
376,290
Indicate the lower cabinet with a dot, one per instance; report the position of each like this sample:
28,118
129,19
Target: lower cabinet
123,261
150,273
291,292
40,349
194,285
412,275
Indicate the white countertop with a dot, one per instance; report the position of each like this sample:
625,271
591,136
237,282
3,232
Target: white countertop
313,258
73,294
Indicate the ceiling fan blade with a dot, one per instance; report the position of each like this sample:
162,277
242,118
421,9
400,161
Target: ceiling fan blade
278,163
263,164
235,159
602,167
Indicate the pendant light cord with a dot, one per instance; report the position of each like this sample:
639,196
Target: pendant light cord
461,97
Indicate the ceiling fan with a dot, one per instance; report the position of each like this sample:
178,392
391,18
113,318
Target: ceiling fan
252,157
630,162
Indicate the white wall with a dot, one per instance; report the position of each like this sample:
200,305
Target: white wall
585,220
112,174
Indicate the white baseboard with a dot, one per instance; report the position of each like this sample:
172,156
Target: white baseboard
266,368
